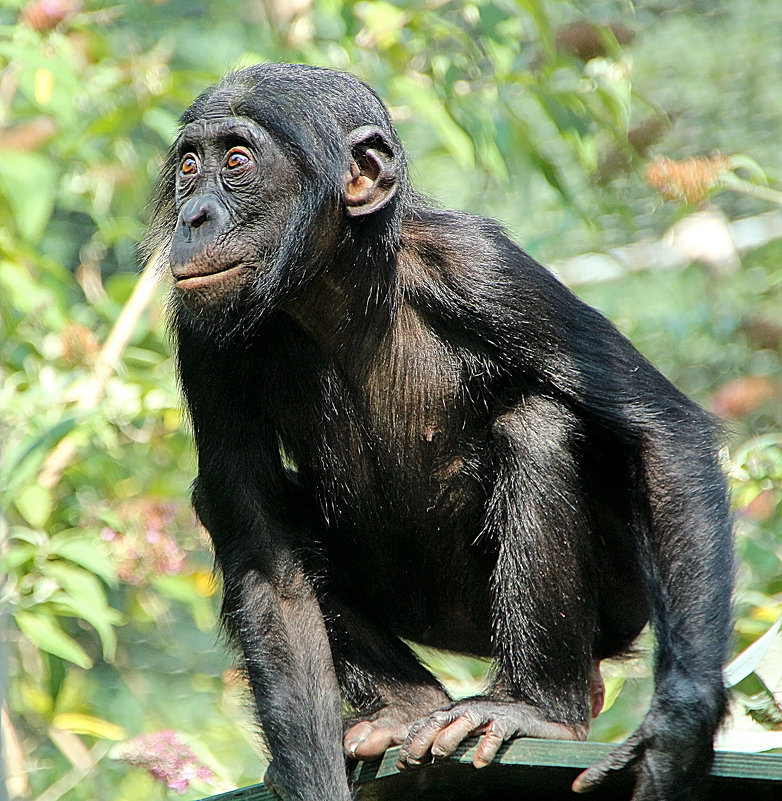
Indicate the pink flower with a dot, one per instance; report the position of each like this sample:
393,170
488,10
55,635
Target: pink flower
166,758
146,549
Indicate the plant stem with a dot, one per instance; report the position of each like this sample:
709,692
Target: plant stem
105,365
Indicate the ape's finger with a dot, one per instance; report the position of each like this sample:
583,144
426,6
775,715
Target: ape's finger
490,743
447,741
420,738
620,758
367,740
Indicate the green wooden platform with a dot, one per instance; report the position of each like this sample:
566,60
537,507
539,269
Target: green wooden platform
534,770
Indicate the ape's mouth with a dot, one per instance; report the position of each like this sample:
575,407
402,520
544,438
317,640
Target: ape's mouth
197,275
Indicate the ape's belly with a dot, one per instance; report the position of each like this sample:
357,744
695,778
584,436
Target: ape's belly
432,588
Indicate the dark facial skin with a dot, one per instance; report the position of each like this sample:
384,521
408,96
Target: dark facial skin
407,429
230,173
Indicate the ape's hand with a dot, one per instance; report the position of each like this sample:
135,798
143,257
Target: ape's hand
664,753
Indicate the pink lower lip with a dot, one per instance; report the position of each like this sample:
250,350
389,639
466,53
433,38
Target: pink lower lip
204,281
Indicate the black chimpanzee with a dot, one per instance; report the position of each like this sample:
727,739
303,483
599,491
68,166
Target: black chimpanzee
407,428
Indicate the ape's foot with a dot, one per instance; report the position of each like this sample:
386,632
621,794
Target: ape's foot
370,739
439,735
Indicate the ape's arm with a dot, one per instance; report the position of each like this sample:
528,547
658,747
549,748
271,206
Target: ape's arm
271,612
543,584
259,531
666,448
687,554
543,343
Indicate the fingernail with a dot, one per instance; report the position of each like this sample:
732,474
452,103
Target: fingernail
351,746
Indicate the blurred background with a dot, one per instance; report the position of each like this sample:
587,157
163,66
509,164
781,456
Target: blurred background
633,146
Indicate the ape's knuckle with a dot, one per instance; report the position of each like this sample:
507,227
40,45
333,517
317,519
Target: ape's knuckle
473,716
495,733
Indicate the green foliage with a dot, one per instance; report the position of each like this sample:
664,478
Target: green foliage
105,575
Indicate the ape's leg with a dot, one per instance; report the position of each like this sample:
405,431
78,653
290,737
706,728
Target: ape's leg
381,679
543,600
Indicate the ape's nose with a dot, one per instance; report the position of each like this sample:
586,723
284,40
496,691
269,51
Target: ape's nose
202,220
201,212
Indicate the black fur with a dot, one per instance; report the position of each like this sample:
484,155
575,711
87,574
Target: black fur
407,427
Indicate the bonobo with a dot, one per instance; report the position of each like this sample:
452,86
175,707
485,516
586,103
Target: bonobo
409,430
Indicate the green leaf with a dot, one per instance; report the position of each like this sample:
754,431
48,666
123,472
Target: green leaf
185,589
748,660
38,539
162,122
16,555
430,107
613,686
87,551
82,596
44,633
567,112
100,616
22,462
79,723
740,161
34,503
22,288
383,20
29,183
143,356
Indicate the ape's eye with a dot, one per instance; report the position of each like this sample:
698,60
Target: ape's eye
237,158
188,165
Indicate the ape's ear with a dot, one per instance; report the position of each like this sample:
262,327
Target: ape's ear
371,180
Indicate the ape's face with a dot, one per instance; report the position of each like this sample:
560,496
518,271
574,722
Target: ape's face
235,190
254,222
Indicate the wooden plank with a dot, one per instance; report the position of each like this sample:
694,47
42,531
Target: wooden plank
256,792
533,770
527,751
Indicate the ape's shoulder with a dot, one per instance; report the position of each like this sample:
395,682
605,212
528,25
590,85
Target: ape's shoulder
468,266
474,257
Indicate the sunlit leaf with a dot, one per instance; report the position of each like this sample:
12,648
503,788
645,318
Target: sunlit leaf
78,723
748,660
82,549
613,686
44,633
84,597
29,183
431,108
34,503
16,555
23,461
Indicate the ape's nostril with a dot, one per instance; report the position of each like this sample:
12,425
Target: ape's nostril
203,214
198,211
197,218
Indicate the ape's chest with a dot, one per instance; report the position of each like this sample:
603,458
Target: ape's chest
406,451
397,431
